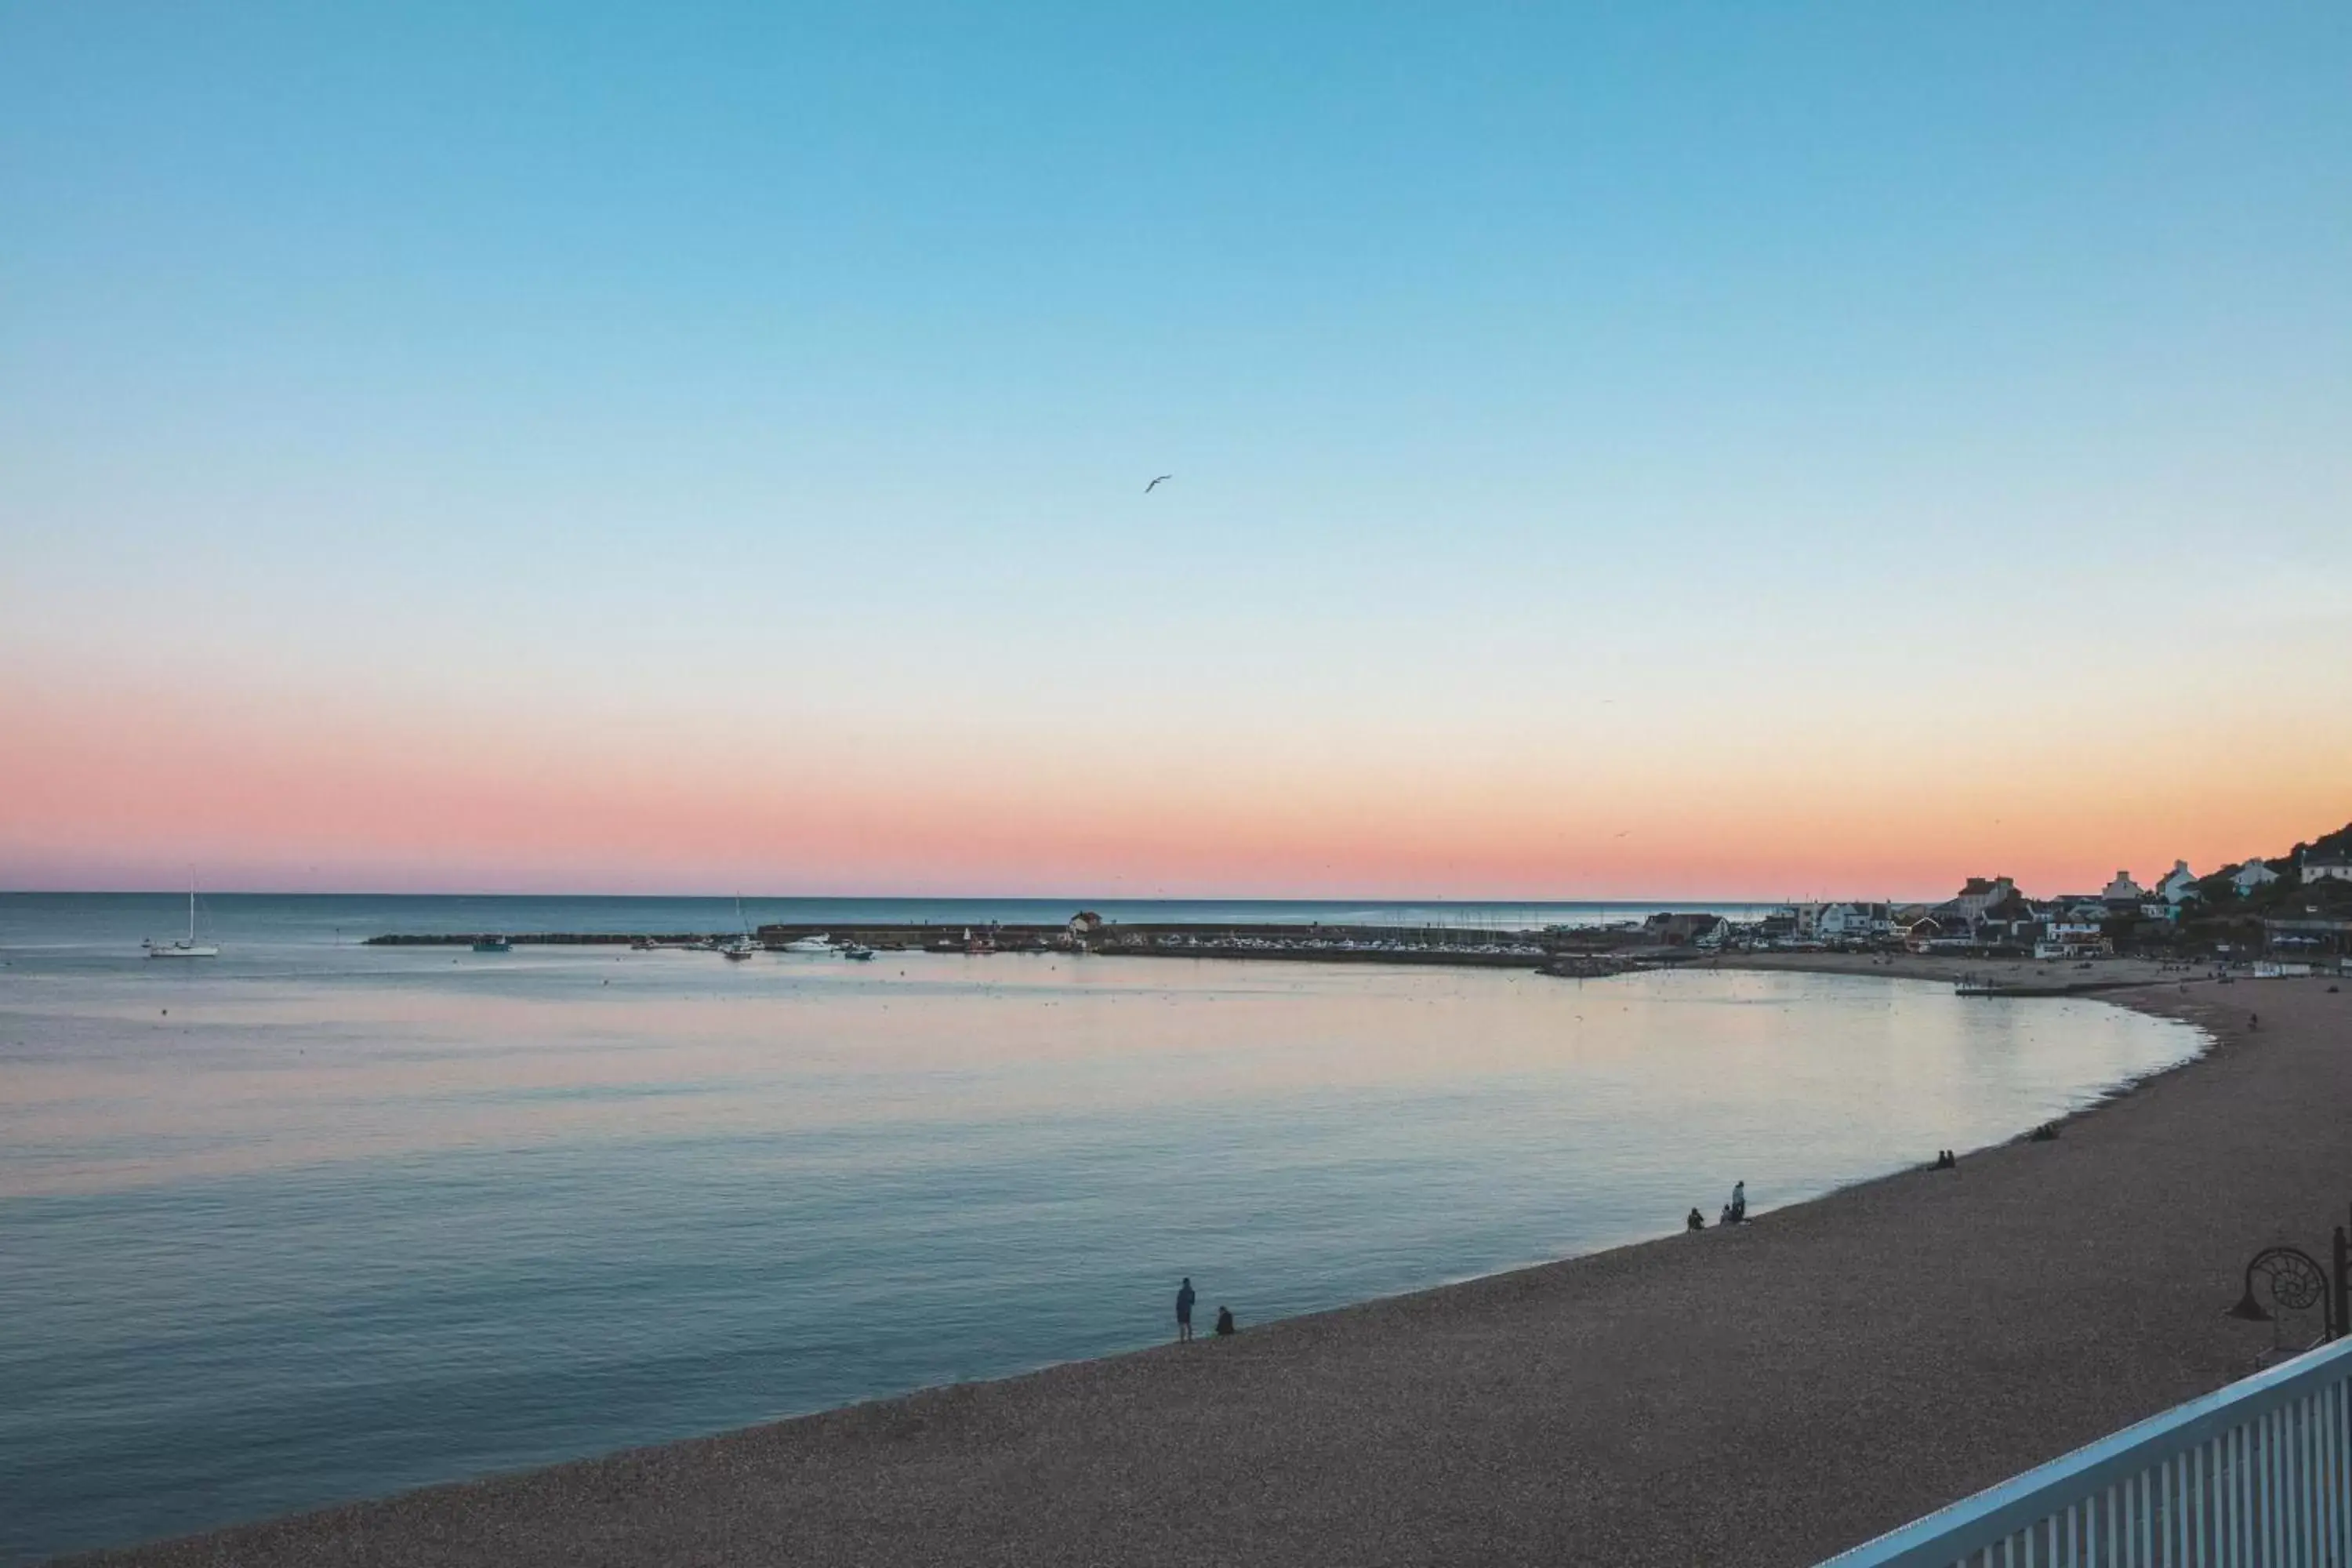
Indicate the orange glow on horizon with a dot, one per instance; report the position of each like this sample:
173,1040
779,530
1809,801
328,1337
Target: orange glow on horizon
119,788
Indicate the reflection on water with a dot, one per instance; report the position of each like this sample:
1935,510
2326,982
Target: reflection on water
317,1222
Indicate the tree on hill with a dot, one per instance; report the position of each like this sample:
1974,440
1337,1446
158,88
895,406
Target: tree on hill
2336,842
2289,895
2218,890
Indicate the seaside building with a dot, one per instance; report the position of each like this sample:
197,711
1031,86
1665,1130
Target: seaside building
2074,939
1979,896
2178,884
1679,930
1921,931
2319,867
2328,941
2124,890
2251,875
1855,922
1841,923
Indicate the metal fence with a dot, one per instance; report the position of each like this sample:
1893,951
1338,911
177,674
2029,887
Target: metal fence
2258,1474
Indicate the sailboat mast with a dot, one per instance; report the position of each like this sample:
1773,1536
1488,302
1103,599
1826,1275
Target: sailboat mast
192,909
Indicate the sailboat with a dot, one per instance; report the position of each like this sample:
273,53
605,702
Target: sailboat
743,947
184,946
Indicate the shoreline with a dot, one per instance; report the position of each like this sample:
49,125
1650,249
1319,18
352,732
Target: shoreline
2015,977
1828,1371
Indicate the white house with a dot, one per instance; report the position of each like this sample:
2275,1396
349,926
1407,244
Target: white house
2123,890
1853,922
2073,939
2251,875
2178,884
2320,867
1980,895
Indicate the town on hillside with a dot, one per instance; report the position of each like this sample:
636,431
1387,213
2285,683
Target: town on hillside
2292,910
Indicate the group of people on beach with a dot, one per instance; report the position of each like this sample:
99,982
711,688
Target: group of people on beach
1184,1299
1734,1213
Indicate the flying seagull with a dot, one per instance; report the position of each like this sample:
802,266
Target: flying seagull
1155,484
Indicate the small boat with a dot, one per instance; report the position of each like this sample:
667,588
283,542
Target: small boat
820,943
184,946
743,946
644,944
858,953
492,944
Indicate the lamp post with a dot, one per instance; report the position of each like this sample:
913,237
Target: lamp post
2293,1281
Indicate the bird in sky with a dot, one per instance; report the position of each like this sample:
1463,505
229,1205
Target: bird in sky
1155,484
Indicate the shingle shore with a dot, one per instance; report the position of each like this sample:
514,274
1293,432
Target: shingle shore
1765,1396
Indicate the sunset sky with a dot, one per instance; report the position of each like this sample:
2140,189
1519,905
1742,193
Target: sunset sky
1673,450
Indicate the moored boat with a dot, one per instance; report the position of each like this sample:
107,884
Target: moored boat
741,947
186,946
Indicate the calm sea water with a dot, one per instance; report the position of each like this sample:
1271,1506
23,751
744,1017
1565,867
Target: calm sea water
315,1221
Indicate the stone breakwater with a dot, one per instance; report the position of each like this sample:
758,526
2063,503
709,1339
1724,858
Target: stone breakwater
1582,953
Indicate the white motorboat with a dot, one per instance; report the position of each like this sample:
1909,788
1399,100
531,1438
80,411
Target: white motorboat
820,943
184,946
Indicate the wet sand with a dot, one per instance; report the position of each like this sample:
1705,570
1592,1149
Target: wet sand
2019,974
1764,1395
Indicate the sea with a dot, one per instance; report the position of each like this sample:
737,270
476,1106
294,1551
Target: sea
315,1220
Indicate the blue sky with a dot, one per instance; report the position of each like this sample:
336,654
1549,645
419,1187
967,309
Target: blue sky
1804,375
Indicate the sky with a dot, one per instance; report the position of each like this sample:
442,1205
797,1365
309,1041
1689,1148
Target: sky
1701,450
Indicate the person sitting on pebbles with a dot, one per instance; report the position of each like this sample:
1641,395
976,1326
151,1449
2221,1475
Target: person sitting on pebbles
1224,1322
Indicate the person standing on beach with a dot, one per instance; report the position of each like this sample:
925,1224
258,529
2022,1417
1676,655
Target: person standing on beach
1184,1311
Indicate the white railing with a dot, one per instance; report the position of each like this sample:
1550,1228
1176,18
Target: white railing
2258,1474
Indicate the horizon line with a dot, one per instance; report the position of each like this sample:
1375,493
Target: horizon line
1075,900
